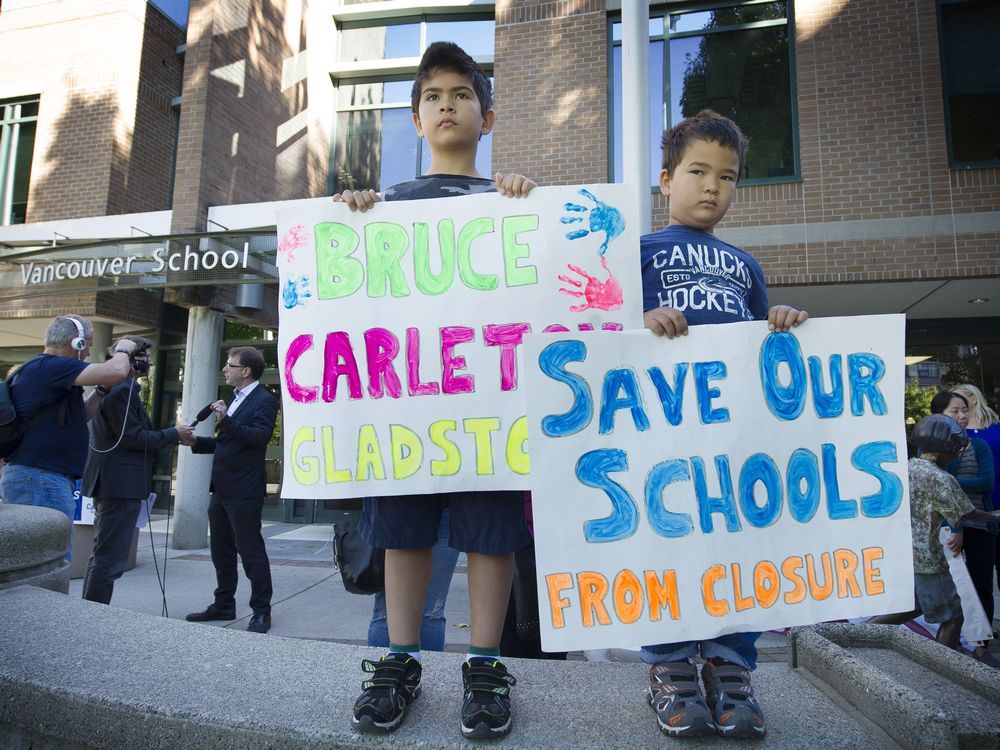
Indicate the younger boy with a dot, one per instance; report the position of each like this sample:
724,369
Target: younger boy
691,277
452,109
936,497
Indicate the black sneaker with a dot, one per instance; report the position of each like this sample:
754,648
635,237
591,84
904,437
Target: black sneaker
394,685
486,707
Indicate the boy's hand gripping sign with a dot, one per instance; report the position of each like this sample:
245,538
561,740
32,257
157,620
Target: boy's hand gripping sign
400,328
731,480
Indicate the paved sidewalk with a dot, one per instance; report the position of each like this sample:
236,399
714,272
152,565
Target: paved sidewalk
309,599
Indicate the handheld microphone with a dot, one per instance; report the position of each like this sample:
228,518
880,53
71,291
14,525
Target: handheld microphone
202,415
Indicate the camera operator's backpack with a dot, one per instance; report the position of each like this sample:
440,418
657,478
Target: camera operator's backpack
12,429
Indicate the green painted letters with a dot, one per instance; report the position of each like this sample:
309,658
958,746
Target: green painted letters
337,273
470,232
426,281
385,245
513,250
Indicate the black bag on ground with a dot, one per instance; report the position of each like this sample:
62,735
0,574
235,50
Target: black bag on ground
361,566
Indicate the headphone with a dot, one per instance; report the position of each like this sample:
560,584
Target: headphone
78,343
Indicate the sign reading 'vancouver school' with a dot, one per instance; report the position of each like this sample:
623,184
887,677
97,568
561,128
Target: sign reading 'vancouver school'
400,328
731,480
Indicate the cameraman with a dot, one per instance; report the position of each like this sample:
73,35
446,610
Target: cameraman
48,395
119,472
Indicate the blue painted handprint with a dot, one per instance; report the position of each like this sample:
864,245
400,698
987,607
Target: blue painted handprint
603,218
295,292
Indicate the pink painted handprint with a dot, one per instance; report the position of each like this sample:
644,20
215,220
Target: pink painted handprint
597,294
294,239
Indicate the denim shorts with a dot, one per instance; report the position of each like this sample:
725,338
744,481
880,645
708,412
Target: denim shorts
937,596
487,523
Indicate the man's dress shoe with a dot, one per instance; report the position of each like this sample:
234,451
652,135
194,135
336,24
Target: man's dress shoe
259,624
211,613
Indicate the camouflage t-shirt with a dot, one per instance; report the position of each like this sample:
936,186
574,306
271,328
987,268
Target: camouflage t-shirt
438,186
934,497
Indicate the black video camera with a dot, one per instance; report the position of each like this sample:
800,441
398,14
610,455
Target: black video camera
140,366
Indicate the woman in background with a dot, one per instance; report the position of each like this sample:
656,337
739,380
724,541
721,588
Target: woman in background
984,424
974,470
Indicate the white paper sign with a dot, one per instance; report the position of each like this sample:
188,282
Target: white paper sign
399,330
727,481
84,513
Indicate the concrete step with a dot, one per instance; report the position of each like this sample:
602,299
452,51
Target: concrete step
74,674
919,692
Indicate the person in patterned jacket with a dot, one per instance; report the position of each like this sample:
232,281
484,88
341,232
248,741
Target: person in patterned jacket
935,497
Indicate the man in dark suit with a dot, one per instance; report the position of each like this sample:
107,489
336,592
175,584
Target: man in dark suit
119,472
239,488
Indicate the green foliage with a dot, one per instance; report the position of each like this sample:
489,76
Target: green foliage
917,400
243,332
276,435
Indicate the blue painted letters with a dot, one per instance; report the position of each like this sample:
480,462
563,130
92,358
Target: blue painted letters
592,470
703,373
784,401
664,522
552,361
616,381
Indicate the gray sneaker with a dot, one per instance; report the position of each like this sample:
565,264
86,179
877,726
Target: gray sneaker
675,697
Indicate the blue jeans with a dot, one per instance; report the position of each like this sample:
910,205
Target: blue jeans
738,648
26,485
432,628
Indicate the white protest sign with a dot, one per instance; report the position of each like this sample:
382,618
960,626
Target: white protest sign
730,480
399,329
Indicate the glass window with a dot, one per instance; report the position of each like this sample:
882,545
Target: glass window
737,15
475,37
376,145
970,58
656,117
380,42
387,133
18,122
948,365
736,60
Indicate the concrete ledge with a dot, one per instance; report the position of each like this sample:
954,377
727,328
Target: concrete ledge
33,542
901,710
90,676
968,673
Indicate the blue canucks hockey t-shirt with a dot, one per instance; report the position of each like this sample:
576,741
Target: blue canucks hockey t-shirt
696,273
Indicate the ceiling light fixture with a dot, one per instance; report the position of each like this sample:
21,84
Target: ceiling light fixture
978,300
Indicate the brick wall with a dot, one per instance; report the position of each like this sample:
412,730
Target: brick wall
245,122
255,119
551,84
100,148
142,175
872,140
872,147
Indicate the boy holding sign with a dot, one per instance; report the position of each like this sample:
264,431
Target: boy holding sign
452,109
691,277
